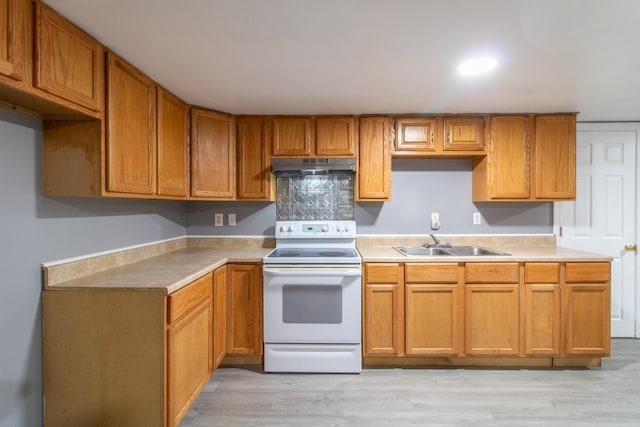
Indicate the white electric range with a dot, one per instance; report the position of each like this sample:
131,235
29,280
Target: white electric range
313,298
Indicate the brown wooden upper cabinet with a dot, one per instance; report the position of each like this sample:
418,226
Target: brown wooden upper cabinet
335,136
417,135
254,179
131,129
313,137
453,136
554,157
173,145
147,139
68,62
213,155
291,136
464,133
508,172
374,162
13,17
141,150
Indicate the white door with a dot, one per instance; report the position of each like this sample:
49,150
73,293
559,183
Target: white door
603,217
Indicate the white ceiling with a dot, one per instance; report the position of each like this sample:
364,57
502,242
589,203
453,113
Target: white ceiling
379,56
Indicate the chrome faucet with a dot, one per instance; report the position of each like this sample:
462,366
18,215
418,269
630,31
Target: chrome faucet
436,242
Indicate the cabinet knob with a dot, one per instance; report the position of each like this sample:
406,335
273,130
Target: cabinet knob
630,248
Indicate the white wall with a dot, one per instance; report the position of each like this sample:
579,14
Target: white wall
36,229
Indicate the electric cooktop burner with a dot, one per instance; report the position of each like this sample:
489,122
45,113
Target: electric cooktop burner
312,253
331,253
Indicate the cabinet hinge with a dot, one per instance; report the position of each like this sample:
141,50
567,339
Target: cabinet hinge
560,232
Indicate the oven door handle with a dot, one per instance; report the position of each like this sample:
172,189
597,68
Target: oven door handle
336,271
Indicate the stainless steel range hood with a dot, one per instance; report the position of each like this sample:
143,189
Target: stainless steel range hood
324,166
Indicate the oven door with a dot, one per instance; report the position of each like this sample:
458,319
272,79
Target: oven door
312,303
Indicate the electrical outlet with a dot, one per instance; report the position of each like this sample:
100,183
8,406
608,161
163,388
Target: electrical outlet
219,220
232,219
435,221
477,219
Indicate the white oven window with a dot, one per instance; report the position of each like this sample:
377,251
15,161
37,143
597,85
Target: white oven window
305,304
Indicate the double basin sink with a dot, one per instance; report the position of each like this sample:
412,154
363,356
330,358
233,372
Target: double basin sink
448,251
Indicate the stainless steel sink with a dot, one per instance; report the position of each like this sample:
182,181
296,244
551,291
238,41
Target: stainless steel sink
473,251
420,250
448,251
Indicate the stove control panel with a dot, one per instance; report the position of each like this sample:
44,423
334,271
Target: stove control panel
315,229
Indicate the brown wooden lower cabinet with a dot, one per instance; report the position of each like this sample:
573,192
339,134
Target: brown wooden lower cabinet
189,346
434,309
492,309
125,357
543,310
492,319
244,317
541,306
383,310
586,309
219,315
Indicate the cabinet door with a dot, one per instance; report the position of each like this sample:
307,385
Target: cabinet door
509,158
244,331
254,172
586,319
417,135
173,145
335,136
541,308
383,330
219,315
464,133
213,155
68,62
12,38
492,319
189,344
131,129
554,153
434,309
292,136
434,323
374,162
586,309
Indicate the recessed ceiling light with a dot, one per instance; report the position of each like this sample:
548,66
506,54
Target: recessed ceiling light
477,66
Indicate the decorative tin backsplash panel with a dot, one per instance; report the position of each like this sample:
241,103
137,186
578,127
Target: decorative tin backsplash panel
311,197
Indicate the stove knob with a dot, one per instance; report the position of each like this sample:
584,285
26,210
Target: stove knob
290,229
325,228
346,228
283,228
338,228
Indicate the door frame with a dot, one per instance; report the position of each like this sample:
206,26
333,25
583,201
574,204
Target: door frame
618,126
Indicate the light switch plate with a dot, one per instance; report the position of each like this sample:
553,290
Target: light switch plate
477,219
232,219
219,220
435,221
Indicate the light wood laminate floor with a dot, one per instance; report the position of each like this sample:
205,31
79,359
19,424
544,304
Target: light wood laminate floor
603,396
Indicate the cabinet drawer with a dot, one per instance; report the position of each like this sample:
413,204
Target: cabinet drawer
382,273
431,272
587,272
541,272
492,272
187,298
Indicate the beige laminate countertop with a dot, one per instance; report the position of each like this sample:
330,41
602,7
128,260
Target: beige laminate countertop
169,266
517,254
165,273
